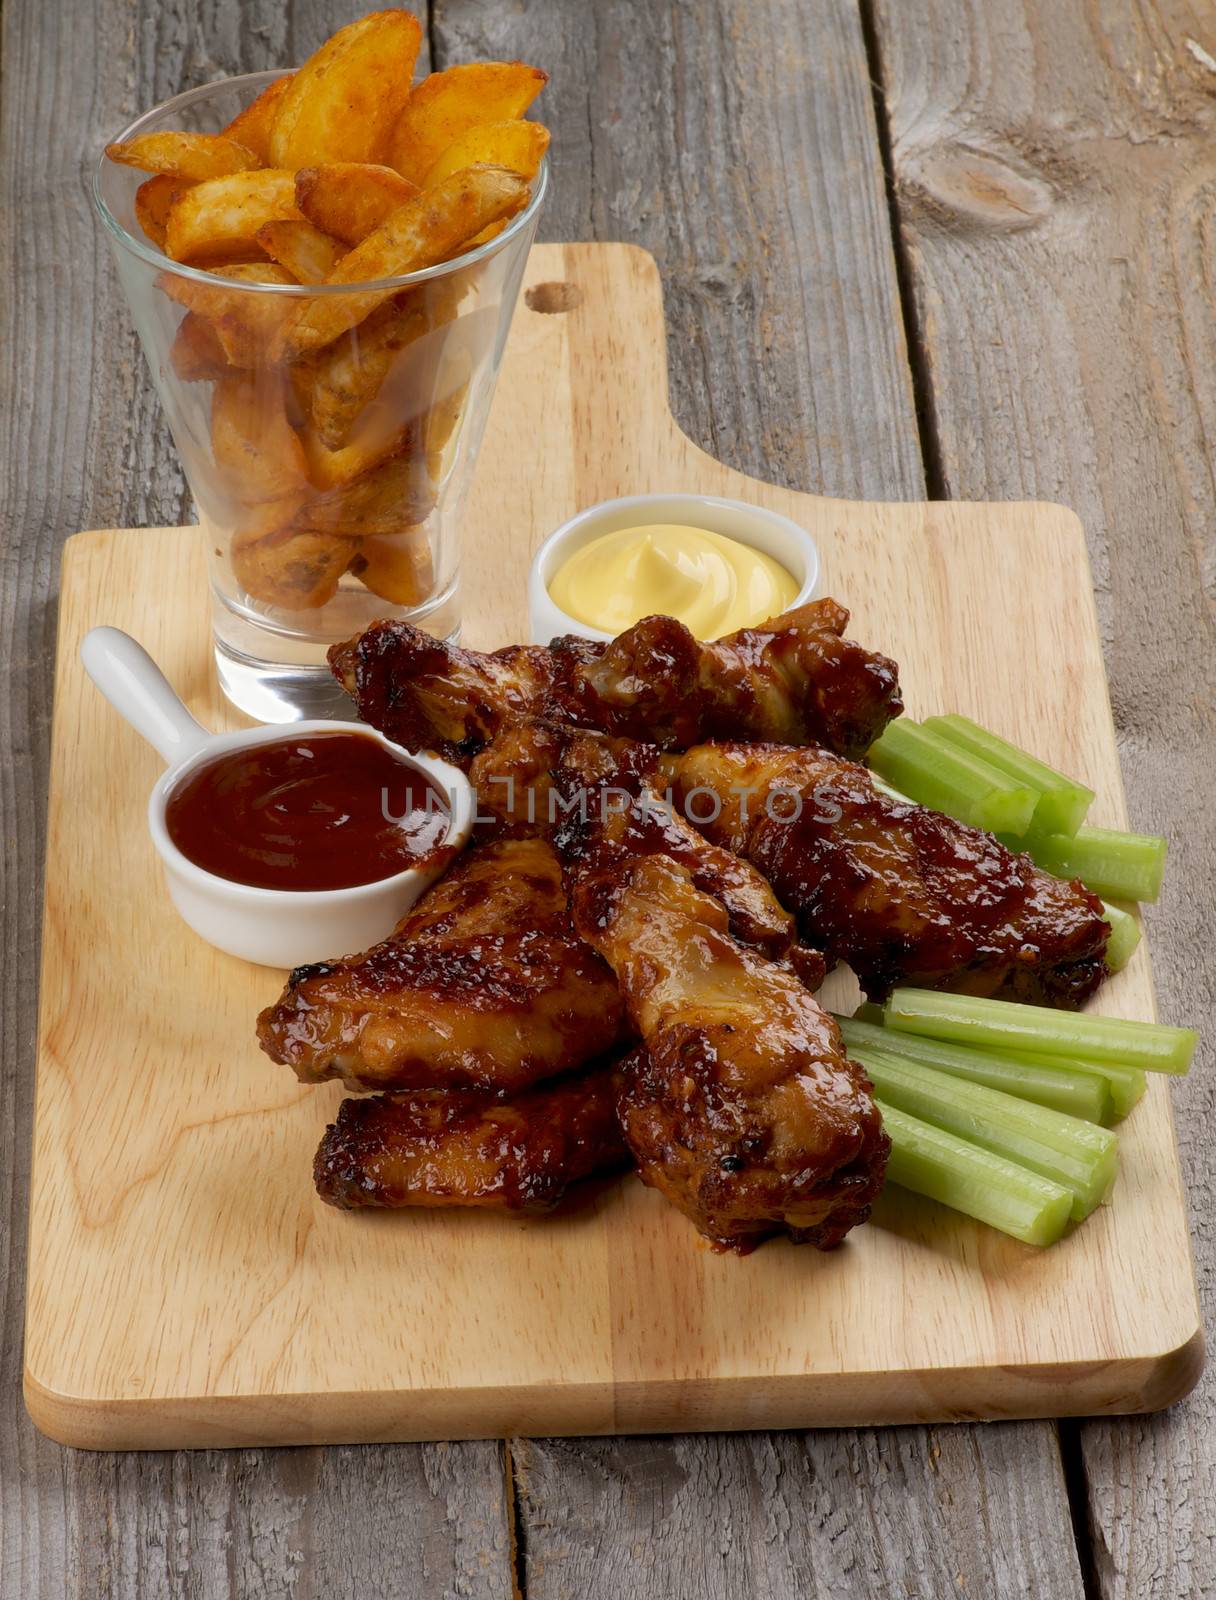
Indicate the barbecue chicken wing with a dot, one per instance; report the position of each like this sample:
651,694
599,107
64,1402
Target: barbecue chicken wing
902,893
461,1148
795,679
523,778
743,1110
483,985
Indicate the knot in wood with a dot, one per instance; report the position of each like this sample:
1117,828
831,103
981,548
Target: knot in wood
984,190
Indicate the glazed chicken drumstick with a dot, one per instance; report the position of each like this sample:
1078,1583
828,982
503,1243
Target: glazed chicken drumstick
743,1109
795,679
460,1148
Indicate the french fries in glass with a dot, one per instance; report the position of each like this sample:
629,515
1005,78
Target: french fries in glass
328,435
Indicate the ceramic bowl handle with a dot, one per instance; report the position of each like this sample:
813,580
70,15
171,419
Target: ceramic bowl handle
135,686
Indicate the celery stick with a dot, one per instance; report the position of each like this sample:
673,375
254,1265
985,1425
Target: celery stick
931,1162
1118,866
1125,1085
1062,802
868,1011
891,793
1080,1094
934,773
1037,1031
1070,1152
1124,936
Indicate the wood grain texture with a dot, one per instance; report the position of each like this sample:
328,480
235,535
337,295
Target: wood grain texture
1056,175
737,145
183,1276
817,1516
83,441
766,111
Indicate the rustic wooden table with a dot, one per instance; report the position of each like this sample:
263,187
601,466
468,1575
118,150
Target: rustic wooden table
911,248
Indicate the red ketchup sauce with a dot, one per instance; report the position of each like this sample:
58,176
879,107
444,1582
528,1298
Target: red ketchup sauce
328,811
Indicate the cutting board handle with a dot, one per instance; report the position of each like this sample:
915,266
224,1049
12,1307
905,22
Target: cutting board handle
135,686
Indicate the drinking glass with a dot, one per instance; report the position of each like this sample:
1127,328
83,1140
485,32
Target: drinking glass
330,488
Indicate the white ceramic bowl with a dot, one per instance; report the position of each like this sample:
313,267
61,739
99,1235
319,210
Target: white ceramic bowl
273,927
752,525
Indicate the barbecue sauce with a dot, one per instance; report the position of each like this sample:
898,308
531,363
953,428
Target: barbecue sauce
328,811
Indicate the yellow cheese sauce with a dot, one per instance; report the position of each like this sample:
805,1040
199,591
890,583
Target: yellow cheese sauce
712,583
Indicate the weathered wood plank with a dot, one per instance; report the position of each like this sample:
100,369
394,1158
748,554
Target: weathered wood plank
82,444
1056,173
737,145
922,1513
740,147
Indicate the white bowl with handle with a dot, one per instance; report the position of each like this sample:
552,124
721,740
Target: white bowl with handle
273,927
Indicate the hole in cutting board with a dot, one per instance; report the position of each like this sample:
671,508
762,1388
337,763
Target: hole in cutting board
550,297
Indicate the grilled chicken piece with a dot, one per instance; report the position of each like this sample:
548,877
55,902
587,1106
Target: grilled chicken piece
795,679
484,985
744,1110
902,893
520,781
461,1148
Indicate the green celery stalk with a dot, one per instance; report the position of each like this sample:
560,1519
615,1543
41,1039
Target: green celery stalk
932,772
891,793
1080,1094
1118,866
868,1011
1038,1031
948,1169
1065,1149
1062,802
1125,1085
1124,936
1115,865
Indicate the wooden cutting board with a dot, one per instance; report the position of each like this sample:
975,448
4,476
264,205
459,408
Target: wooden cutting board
186,1287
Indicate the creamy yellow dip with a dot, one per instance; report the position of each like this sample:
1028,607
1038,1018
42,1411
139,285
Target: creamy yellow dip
712,583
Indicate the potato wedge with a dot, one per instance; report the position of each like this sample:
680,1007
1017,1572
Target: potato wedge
257,452
383,502
248,326
216,223
441,423
297,568
196,354
346,99
397,567
428,229
194,156
252,523
351,198
449,103
381,439
212,299
253,126
518,146
308,254
347,375
153,202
